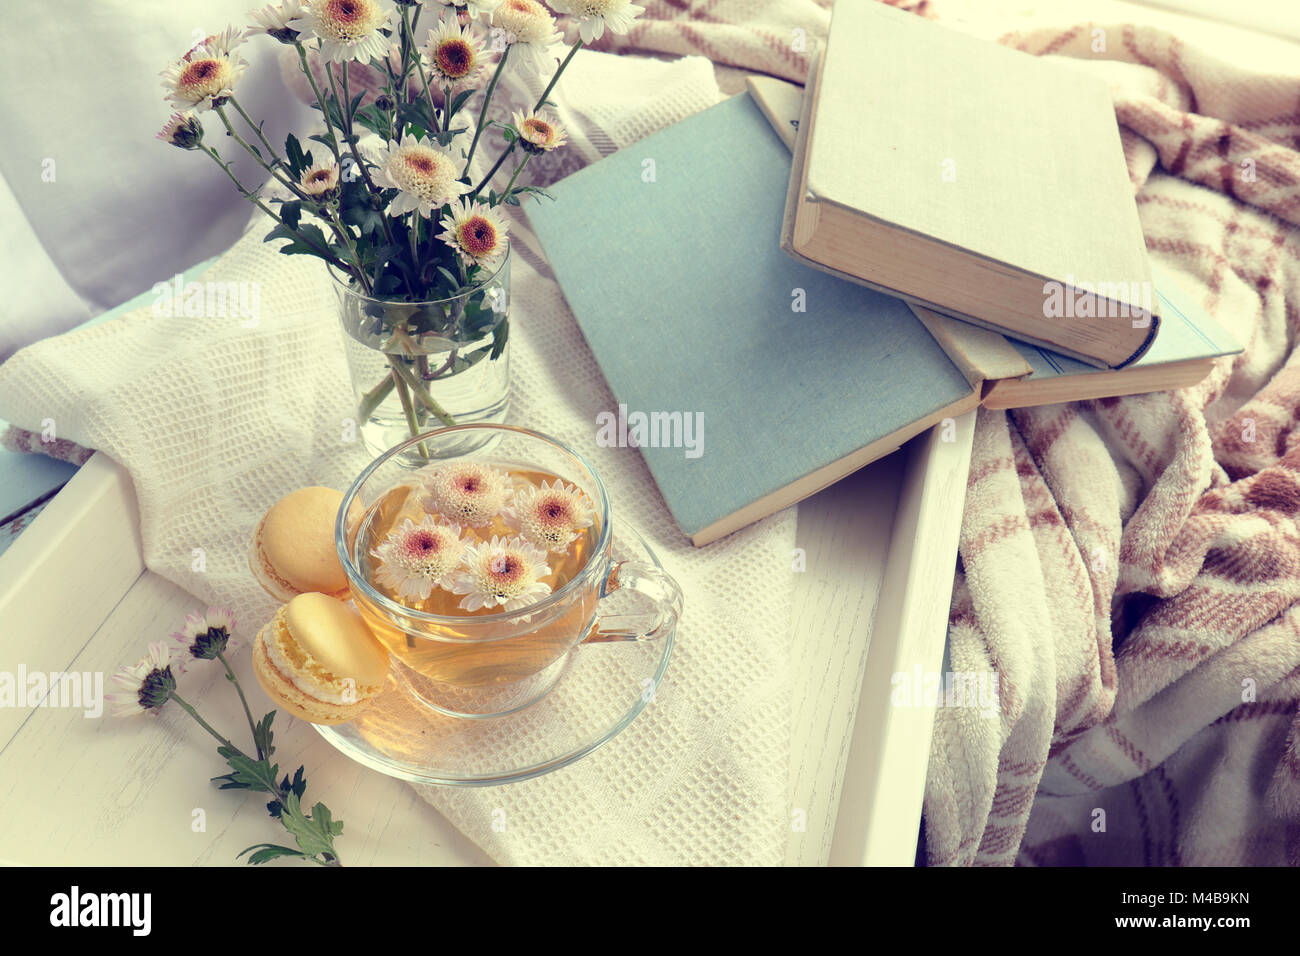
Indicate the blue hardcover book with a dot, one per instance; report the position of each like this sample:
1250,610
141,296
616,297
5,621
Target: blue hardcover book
1182,354
747,380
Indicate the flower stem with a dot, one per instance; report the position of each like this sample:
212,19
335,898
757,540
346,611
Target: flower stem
346,237
541,101
352,142
482,113
518,169
505,154
420,392
269,167
275,157
323,252
404,396
371,399
414,235
419,68
320,101
204,724
243,700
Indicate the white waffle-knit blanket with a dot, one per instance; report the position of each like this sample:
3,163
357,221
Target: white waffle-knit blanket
215,421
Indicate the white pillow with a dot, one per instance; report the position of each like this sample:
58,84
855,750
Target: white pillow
103,209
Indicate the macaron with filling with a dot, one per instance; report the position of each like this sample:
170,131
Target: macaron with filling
318,660
292,551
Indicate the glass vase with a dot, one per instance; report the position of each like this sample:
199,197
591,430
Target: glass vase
416,366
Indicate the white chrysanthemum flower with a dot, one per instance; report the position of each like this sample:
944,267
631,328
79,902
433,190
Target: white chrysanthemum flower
539,132
501,573
373,148
204,636
594,16
221,44
321,181
426,177
183,130
454,55
529,31
347,29
550,516
471,9
467,492
476,231
204,78
146,685
274,20
416,558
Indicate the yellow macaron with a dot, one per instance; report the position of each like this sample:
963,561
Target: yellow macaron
292,551
319,661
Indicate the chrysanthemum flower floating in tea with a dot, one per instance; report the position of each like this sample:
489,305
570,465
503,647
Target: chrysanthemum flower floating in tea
551,516
502,573
416,558
468,493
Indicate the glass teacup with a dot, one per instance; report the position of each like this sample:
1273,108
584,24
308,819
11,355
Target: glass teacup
531,523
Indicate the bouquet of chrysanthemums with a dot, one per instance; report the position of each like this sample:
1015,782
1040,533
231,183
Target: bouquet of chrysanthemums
385,194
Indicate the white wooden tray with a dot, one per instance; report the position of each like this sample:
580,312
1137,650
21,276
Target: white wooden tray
879,552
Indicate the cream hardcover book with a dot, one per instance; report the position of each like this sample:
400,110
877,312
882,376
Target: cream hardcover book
1015,374
973,180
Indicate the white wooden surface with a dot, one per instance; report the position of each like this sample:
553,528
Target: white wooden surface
74,597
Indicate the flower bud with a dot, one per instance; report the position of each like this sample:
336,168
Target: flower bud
183,130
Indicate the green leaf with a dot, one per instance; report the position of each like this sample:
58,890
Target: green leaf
459,100
445,136
298,160
298,786
373,119
418,114
262,735
499,336
321,815
291,212
451,279
265,852
537,191
231,783
363,217
314,834
301,240
251,774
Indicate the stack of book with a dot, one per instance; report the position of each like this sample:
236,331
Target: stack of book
809,279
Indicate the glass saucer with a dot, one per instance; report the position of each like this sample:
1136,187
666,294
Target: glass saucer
602,689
